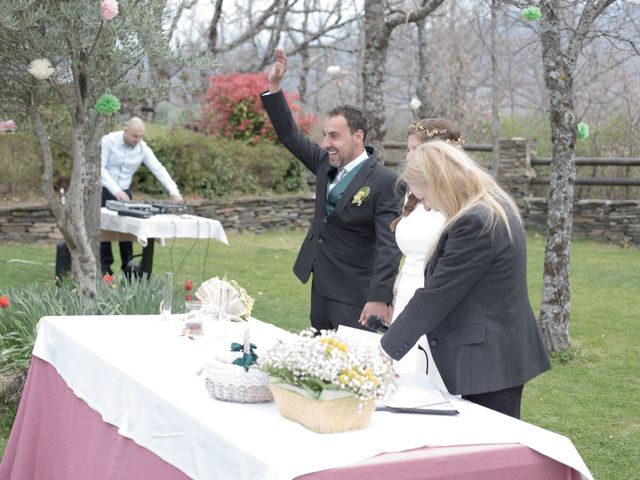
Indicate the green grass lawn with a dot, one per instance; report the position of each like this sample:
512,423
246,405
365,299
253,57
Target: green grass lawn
594,399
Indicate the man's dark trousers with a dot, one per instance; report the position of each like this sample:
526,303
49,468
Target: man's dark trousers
126,248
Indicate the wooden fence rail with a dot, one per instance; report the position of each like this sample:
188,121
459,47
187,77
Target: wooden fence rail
600,181
394,146
594,161
472,147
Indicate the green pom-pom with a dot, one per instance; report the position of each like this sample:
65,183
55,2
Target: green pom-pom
108,104
531,13
583,131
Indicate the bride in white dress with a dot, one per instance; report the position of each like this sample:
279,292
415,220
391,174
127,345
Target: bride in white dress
416,232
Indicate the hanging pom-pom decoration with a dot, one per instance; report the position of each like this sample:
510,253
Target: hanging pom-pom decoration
41,68
531,13
108,9
108,104
583,131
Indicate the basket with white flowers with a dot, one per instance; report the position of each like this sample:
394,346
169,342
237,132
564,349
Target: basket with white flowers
326,383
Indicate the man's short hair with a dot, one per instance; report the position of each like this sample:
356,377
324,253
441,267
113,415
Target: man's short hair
354,116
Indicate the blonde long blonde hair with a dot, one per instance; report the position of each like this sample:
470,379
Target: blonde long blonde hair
456,183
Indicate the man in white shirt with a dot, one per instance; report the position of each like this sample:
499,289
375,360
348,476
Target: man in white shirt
122,154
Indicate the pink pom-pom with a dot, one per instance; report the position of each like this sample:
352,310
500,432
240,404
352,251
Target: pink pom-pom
108,9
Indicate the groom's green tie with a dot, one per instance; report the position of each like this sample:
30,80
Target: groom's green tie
338,189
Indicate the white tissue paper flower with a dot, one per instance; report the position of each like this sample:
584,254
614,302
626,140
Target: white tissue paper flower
239,303
334,70
41,68
415,103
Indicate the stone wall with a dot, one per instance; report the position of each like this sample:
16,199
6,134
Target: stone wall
28,223
31,223
617,222
515,172
258,214
612,221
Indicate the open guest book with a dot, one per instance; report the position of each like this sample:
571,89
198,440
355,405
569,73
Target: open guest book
416,393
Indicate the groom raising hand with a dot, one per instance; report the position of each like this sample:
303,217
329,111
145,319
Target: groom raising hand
349,247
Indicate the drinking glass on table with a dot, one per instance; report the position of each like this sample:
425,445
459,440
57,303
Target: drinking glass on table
192,305
167,296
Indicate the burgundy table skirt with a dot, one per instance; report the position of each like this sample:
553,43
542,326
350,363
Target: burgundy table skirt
57,436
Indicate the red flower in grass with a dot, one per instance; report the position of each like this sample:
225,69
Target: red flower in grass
188,298
4,301
188,285
107,278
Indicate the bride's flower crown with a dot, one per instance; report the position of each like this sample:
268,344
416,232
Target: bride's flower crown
436,132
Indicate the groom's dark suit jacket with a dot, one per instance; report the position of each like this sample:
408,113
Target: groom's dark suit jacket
352,252
475,310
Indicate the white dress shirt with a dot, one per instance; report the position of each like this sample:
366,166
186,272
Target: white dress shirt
342,171
120,161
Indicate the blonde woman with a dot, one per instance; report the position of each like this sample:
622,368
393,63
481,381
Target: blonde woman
474,307
416,231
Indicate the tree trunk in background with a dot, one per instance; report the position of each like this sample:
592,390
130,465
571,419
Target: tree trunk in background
558,68
213,26
84,267
422,88
556,307
495,91
71,216
378,26
93,189
455,105
305,58
373,72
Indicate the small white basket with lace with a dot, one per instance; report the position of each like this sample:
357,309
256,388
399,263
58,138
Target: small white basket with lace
226,381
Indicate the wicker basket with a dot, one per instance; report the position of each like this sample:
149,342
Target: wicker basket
323,416
232,383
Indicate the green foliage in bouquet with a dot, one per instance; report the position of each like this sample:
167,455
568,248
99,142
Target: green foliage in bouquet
27,306
325,363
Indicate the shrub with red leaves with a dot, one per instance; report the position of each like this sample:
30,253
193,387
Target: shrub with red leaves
232,108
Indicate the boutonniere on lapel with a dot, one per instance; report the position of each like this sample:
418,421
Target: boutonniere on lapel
360,196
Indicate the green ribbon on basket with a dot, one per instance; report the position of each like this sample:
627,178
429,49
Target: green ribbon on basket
247,359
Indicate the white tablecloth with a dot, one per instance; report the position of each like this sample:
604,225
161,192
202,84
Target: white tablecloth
162,226
142,376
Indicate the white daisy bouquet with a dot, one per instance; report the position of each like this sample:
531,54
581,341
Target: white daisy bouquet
326,367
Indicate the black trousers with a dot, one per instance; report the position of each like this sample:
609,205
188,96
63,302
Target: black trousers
505,401
328,314
126,248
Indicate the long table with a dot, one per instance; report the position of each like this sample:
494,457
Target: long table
121,398
145,231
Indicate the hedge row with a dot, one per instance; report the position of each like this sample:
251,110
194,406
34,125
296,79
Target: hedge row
216,167
206,166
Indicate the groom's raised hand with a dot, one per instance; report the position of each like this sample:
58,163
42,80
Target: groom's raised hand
278,70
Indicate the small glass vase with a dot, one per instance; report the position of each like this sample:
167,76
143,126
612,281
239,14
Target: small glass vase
167,296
